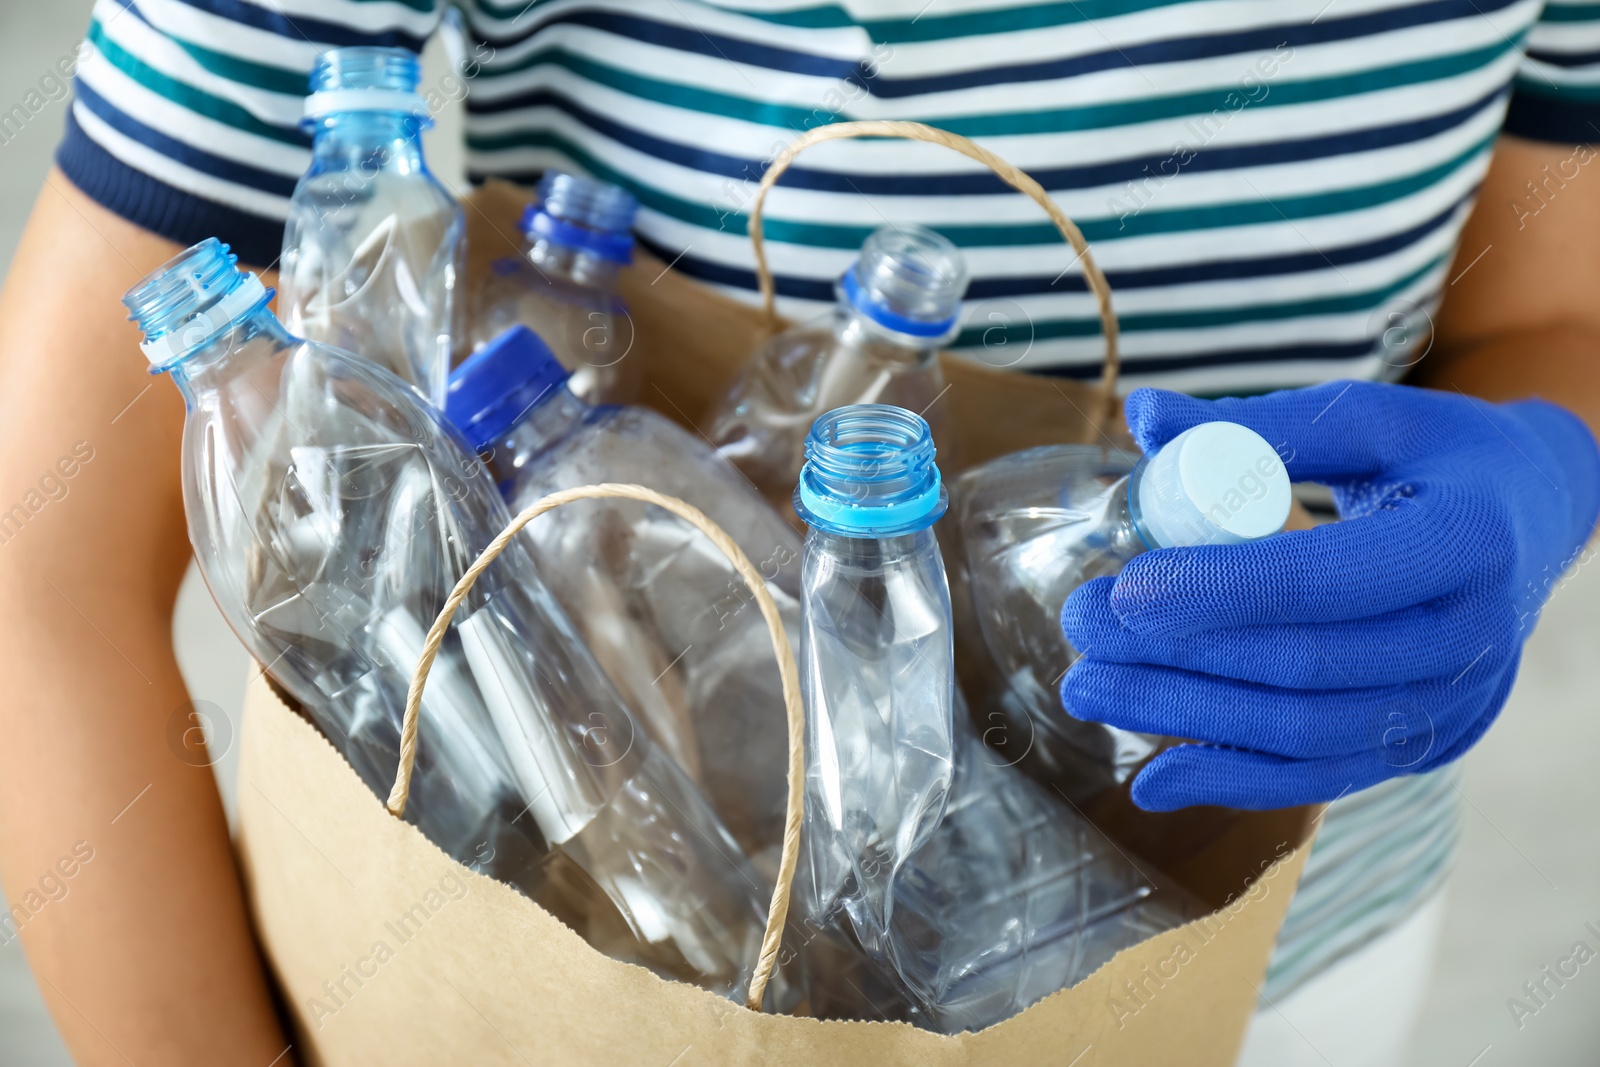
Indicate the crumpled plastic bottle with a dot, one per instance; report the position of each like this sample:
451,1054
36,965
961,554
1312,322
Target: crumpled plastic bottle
563,286
1030,527
959,885
660,606
374,248
898,304
332,511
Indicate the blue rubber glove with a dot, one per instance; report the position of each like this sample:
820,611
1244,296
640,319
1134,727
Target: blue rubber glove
1319,662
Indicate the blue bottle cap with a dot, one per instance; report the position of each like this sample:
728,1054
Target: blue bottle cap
870,472
496,386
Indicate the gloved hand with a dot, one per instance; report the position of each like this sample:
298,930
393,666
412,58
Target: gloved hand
1319,662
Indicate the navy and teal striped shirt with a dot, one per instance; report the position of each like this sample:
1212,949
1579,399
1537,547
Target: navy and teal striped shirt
1263,181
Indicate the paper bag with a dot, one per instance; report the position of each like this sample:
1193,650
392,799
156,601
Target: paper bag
389,952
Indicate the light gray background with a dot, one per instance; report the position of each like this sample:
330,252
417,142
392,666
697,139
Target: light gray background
1529,873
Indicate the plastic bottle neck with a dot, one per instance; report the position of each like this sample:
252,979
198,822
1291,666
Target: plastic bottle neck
369,141
861,556
878,346
547,421
199,314
870,473
903,292
573,266
229,353
1125,536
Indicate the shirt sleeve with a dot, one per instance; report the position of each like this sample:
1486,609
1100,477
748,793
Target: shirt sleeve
185,113
1556,93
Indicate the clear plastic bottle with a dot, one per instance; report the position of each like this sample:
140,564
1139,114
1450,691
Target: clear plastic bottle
967,888
899,302
1033,526
374,247
875,662
331,513
563,286
663,610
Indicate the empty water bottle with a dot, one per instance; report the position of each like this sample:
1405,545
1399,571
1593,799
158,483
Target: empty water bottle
899,302
374,246
1033,526
970,889
563,285
661,607
331,513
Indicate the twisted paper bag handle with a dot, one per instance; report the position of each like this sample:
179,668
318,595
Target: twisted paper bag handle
1011,175
778,908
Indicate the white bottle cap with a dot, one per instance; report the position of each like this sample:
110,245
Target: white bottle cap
1218,483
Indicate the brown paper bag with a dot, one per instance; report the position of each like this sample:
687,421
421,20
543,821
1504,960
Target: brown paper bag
390,952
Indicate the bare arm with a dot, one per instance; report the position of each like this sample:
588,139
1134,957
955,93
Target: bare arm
146,955
1521,315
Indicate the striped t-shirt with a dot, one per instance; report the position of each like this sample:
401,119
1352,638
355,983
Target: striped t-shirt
1267,184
